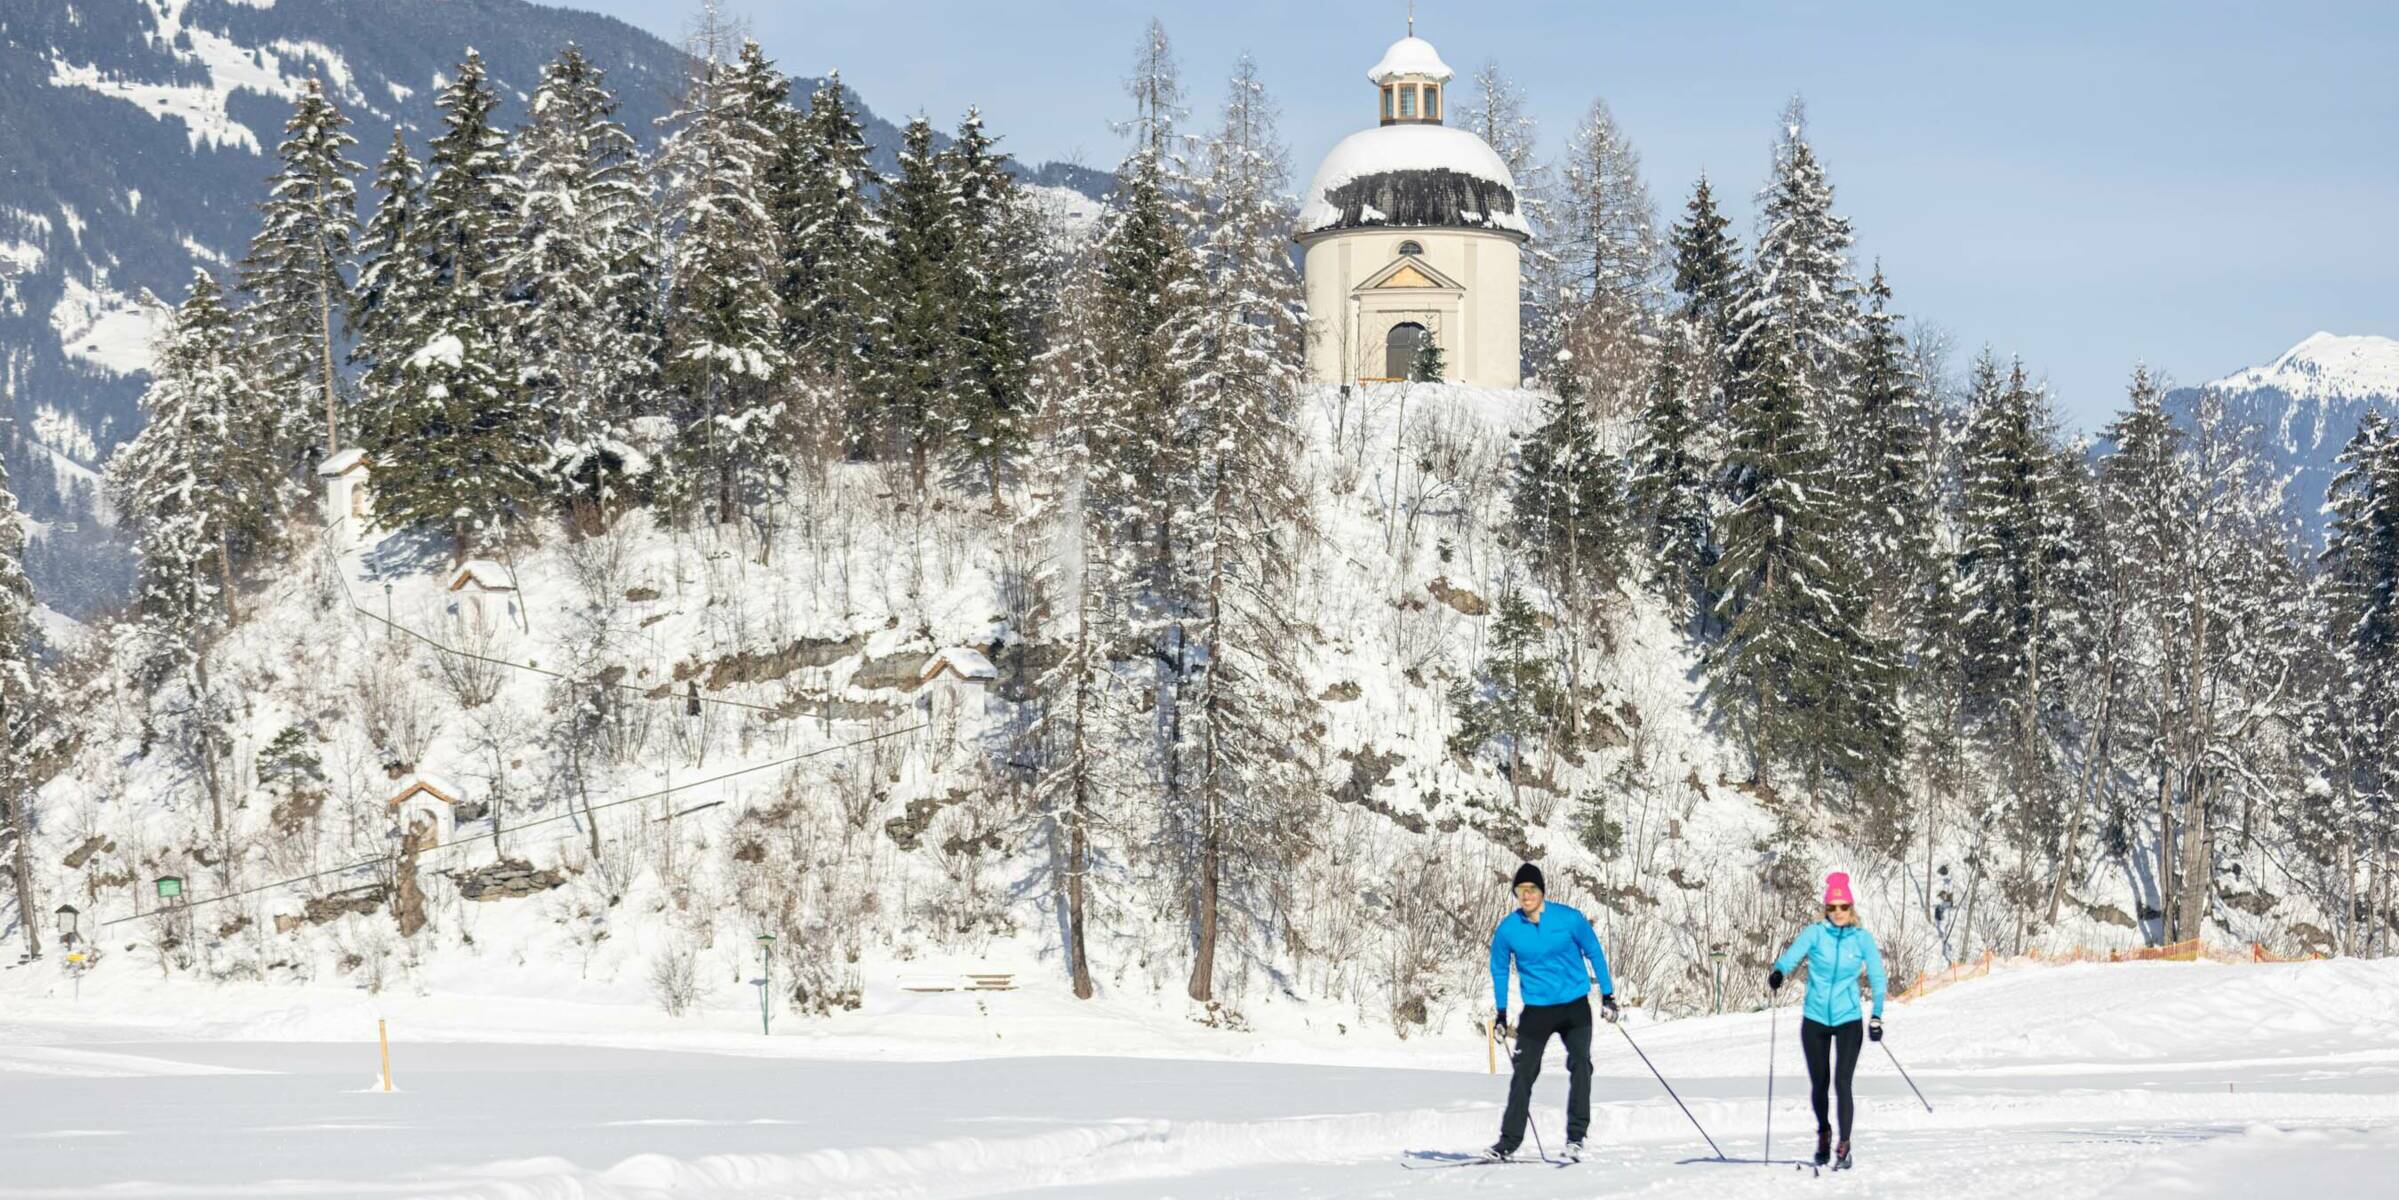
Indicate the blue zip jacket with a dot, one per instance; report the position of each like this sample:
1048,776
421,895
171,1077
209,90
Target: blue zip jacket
1835,954
1549,957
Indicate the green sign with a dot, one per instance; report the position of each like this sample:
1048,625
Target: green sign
169,887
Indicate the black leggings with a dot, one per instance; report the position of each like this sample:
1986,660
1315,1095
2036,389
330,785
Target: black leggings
1817,1040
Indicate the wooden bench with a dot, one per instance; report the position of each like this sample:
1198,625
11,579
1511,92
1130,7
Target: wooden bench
966,981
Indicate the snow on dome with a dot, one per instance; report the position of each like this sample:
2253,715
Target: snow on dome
1410,55
1412,175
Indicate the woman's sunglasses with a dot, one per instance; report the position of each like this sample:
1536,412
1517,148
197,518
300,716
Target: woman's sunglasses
1836,908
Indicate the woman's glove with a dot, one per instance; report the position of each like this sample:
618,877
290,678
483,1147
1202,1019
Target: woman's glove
1774,981
1874,1029
1607,1006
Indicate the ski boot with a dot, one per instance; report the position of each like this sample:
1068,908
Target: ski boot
1824,1146
1841,1157
1492,1153
1573,1151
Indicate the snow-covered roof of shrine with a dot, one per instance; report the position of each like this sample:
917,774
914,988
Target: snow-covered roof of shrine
968,663
483,573
342,462
1414,175
1410,55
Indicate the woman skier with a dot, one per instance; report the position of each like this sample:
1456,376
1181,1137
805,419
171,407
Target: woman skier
1836,950
1548,943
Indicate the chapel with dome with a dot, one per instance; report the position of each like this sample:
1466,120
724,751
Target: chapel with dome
1411,231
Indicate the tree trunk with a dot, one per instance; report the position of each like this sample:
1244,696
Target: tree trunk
2083,789
1078,863
208,749
2165,853
2198,837
233,613
18,802
325,317
1203,965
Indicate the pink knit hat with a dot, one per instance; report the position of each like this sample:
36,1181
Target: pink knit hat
1836,888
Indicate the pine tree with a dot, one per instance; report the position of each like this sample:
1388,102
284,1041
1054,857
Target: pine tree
997,241
293,273
580,271
395,282
2359,605
1888,470
1797,667
1514,694
1245,702
829,241
200,486
1708,279
724,331
457,448
1568,501
918,357
1669,484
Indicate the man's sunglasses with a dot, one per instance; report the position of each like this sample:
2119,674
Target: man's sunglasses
1836,908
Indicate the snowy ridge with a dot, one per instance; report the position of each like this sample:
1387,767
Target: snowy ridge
2326,367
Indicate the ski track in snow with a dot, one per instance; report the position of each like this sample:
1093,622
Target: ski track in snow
2130,1080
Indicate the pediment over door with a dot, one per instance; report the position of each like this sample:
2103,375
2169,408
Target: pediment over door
1410,273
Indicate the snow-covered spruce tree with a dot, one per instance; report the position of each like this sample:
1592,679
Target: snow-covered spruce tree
1514,700
294,278
395,278
1889,480
1495,111
202,494
918,358
1796,668
1670,475
1567,496
579,273
1245,708
1709,286
457,448
2358,592
724,350
998,244
826,286
201,486
2016,563
17,708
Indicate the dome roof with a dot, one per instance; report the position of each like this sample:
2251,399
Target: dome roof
1410,55
1412,176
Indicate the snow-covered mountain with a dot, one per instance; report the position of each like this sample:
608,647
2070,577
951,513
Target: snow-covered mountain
2306,404
135,139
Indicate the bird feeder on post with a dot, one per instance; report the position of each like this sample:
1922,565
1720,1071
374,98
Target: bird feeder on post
70,920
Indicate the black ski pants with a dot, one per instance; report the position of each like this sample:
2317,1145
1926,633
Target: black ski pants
1819,1040
1571,1022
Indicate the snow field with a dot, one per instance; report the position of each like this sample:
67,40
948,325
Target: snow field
2154,1079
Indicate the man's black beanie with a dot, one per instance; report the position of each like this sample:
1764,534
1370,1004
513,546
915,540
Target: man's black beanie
1528,873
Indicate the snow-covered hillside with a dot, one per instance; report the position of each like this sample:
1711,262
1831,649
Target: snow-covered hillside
2326,367
2153,1079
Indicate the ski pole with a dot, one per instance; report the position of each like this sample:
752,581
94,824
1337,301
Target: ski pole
1678,1100
1774,1027
1903,1074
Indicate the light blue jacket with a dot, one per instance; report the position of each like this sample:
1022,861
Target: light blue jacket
1549,957
1835,954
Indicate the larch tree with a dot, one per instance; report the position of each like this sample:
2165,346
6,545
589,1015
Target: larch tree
1245,705
294,273
1608,255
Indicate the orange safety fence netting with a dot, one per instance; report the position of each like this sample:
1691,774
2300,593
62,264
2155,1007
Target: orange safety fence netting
2190,950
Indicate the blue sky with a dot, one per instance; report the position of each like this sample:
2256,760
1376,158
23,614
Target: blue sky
2197,185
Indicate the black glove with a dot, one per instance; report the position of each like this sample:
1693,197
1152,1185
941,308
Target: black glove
1874,1030
1774,981
1607,1006
1499,1024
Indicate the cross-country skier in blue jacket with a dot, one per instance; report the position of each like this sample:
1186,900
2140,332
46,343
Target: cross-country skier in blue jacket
1837,949
1548,943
